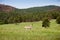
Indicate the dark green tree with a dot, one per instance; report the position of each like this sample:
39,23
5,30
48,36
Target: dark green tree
58,20
46,23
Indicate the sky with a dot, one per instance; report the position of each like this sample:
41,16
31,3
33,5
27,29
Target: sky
29,3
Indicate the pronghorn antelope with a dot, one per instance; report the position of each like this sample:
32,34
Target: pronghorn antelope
28,27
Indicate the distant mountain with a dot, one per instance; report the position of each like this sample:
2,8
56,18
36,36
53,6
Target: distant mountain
44,8
7,8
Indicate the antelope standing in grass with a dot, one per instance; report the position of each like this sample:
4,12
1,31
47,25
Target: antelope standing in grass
28,27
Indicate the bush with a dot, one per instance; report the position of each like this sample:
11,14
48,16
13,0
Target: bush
45,23
58,20
1,23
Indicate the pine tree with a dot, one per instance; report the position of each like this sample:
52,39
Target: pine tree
58,20
45,23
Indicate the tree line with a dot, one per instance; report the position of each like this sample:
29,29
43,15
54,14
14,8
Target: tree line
17,17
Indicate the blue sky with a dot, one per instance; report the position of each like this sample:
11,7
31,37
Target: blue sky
29,3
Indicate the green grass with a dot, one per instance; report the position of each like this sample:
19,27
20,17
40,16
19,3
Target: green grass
17,32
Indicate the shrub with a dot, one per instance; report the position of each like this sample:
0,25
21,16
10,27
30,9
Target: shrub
45,23
58,20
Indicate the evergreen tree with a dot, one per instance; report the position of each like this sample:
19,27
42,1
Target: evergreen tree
45,23
58,20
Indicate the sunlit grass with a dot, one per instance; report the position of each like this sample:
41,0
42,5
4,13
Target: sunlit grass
17,32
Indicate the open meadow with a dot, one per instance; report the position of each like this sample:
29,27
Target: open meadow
18,32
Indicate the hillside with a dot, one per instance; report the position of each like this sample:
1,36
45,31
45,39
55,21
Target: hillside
44,8
9,14
7,8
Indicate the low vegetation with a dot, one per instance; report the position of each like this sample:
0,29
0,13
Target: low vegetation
18,32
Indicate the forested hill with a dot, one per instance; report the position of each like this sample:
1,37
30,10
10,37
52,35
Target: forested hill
7,8
43,8
9,14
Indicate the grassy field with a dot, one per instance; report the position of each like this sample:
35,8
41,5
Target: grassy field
17,32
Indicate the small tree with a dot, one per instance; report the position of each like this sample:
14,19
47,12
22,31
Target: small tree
45,23
58,20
